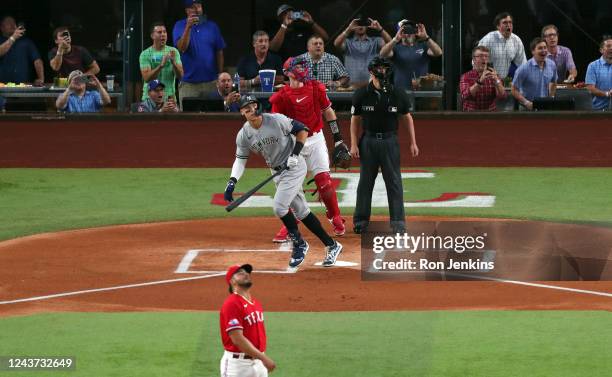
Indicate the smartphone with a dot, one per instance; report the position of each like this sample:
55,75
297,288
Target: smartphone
296,15
85,79
363,21
65,34
21,25
490,66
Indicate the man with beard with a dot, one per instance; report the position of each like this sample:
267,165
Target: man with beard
261,58
536,78
506,47
242,328
599,76
280,141
410,51
161,62
360,49
296,27
66,57
155,100
378,109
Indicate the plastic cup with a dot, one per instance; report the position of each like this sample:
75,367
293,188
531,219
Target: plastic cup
110,82
267,76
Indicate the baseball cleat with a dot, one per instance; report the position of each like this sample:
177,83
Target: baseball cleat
331,254
282,235
338,224
300,249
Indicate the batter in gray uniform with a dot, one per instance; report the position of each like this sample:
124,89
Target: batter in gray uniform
279,140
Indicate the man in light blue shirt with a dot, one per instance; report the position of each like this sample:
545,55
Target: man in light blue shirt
599,77
77,99
536,78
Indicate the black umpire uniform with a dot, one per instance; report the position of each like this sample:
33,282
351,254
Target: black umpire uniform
379,148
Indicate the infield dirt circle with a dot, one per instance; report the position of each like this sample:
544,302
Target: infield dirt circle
180,266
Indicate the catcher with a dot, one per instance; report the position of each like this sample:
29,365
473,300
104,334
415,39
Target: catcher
306,100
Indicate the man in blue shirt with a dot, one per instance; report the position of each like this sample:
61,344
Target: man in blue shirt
77,99
201,45
17,54
537,77
599,77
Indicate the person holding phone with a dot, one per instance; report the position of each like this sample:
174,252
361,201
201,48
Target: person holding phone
77,99
66,57
361,48
18,54
410,51
296,28
481,87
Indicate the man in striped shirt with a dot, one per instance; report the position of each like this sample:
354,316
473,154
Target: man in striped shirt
77,99
561,55
506,47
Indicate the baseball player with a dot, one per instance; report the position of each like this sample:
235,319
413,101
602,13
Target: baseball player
242,328
280,140
306,100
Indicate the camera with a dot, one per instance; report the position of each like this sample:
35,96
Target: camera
409,27
297,14
363,21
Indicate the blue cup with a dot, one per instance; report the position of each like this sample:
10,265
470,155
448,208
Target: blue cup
267,76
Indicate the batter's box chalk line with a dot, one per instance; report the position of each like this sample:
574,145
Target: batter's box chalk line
191,255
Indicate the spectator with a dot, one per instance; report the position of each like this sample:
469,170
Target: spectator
324,67
17,54
155,101
161,62
536,78
77,99
261,58
360,49
201,45
295,30
599,76
410,51
505,47
561,55
227,93
481,86
65,57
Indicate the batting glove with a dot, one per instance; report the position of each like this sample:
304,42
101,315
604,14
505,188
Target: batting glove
292,161
229,189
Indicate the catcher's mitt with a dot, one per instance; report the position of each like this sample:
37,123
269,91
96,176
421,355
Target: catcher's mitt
341,157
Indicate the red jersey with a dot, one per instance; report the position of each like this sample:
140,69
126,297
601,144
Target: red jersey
305,104
239,313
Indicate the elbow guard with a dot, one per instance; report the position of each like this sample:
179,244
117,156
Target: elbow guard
298,127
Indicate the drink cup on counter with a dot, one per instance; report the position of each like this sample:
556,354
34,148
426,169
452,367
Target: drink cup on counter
267,76
110,82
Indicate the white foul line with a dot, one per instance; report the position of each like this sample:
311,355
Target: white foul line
39,298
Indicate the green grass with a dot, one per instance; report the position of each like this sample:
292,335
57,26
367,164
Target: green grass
40,200
441,343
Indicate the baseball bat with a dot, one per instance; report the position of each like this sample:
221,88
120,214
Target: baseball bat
252,191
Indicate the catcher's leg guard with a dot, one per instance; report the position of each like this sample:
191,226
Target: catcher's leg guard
327,194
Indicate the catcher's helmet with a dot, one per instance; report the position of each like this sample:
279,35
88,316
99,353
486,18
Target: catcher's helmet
290,67
247,100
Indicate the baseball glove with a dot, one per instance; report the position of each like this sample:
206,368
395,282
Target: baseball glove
341,157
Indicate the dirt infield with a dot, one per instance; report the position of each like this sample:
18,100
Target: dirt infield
65,265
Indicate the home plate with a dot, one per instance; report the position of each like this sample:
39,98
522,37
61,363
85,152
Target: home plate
339,263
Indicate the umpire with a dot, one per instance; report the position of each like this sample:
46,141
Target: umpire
378,108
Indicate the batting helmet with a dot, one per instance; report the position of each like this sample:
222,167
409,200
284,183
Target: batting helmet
290,66
247,100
